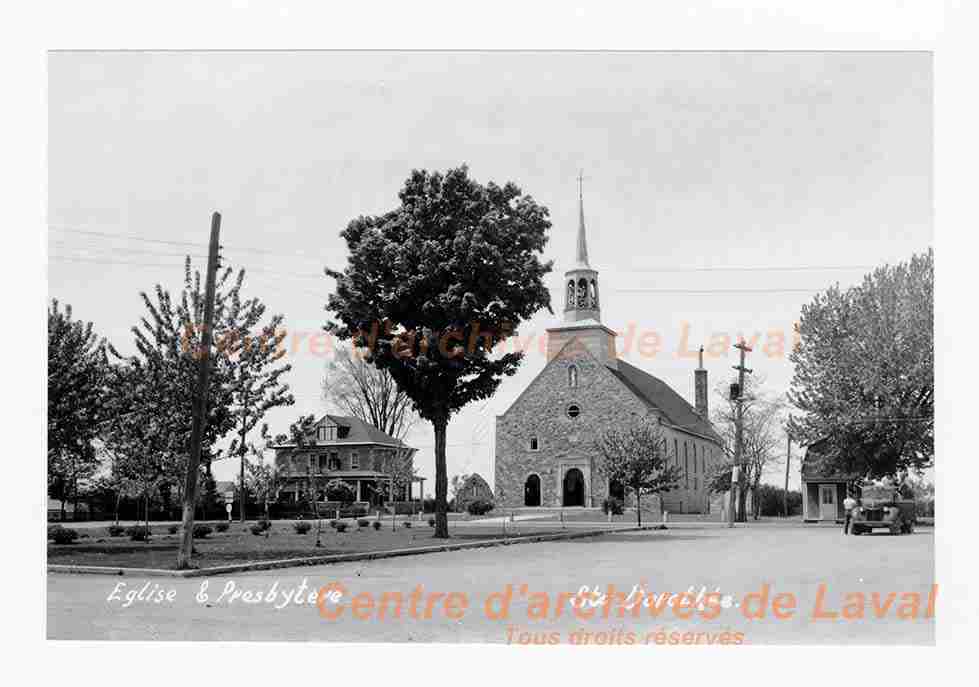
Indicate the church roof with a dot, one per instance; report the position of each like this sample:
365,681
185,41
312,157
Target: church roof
657,393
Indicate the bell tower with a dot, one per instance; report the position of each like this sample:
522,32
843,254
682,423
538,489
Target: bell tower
582,308
581,281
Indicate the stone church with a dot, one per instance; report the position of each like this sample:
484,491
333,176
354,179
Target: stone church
545,455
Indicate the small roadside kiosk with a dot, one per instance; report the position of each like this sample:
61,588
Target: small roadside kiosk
823,488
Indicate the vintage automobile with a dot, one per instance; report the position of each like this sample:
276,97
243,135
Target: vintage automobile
897,515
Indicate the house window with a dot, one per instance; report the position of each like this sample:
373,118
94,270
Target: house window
695,484
573,376
323,462
573,411
676,453
354,460
334,463
534,445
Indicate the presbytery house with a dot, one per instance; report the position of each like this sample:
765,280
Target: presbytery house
545,453
350,450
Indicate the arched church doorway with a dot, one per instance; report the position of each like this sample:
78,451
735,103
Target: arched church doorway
574,488
616,490
531,491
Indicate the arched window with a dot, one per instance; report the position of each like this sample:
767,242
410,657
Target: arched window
570,299
573,376
593,293
582,293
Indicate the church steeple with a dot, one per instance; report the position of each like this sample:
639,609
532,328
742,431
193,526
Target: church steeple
582,311
581,259
581,281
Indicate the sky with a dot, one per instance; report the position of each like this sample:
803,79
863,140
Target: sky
721,190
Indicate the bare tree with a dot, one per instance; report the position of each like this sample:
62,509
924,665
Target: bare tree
763,437
636,457
367,392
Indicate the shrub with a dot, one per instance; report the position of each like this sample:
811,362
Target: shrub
173,529
363,522
138,533
407,524
221,526
301,526
428,505
341,527
479,507
613,506
431,522
376,525
116,530
264,524
62,535
334,523
257,529
201,530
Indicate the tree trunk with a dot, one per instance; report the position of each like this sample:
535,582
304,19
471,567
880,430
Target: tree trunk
638,509
441,479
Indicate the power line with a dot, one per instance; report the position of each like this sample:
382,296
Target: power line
71,258
133,237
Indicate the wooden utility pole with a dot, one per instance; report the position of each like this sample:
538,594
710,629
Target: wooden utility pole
186,549
738,430
241,485
788,461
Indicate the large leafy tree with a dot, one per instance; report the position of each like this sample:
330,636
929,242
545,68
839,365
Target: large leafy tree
636,456
864,376
77,368
432,286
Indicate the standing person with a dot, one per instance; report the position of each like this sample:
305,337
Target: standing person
849,503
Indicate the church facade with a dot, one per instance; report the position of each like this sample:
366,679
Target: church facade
545,455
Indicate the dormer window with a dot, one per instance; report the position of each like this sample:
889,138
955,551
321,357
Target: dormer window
326,432
534,444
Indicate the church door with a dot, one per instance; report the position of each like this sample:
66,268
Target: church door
574,488
531,491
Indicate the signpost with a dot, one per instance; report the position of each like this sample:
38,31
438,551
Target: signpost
227,508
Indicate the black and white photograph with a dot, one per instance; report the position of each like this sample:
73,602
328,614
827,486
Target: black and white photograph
619,348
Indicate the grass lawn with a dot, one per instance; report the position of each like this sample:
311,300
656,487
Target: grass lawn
239,545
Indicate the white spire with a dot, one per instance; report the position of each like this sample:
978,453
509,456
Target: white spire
581,259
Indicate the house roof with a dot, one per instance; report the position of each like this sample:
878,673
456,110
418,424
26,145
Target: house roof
360,433
658,394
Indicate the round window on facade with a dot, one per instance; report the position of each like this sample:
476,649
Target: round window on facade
573,411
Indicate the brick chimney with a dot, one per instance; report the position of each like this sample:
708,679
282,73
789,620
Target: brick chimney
700,387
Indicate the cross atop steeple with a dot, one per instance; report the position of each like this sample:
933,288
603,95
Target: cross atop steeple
581,258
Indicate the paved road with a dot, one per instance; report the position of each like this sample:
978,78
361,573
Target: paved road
793,560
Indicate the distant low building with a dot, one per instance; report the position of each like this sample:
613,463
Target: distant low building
347,449
475,488
823,487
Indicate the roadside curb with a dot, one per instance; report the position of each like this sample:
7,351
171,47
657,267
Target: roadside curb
333,558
